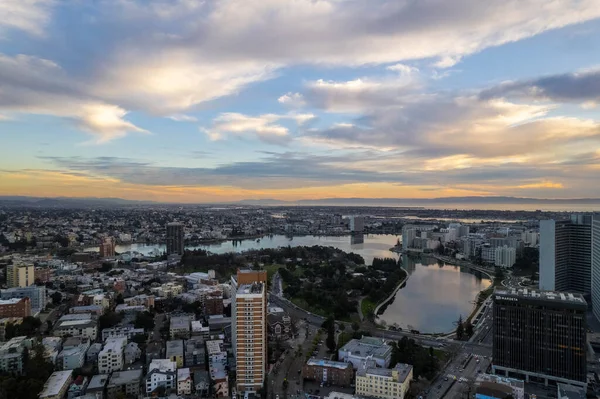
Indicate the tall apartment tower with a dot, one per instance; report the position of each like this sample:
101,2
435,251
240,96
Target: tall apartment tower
20,275
107,248
540,336
566,254
175,238
249,319
596,265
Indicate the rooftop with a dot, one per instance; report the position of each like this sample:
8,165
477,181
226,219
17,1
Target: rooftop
174,348
162,365
512,382
254,288
98,382
214,346
11,301
183,374
554,296
570,392
367,346
180,322
55,382
371,369
125,377
114,344
328,363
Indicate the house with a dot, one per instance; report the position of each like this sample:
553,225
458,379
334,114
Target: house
279,326
201,382
77,387
184,382
195,354
92,353
161,373
132,353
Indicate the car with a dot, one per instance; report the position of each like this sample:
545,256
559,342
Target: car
445,378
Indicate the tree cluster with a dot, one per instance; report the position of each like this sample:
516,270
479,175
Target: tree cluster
423,360
36,371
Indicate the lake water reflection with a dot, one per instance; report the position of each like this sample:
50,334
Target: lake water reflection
368,246
434,296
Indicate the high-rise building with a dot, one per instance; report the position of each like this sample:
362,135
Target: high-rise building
596,265
505,256
107,248
20,275
357,224
175,238
249,316
566,254
540,336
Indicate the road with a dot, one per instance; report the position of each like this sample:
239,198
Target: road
449,384
315,320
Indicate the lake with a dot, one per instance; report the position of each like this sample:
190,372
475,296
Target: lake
368,246
434,297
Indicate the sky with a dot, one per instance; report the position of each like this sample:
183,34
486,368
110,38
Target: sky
224,100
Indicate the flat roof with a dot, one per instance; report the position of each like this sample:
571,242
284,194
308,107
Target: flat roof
174,348
566,391
125,377
254,288
98,382
367,346
114,344
11,301
328,363
550,296
214,346
55,383
512,382
183,374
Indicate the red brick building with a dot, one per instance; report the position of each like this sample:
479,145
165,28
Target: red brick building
43,274
335,373
213,304
15,307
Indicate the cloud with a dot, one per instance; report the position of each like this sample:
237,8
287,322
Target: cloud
183,118
403,69
265,127
170,56
446,62
294,100
30,16
359,95
33,85
570,87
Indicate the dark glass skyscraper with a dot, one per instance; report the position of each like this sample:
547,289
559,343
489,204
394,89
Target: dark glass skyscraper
175,238
540,336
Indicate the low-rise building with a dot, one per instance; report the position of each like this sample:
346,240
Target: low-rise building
201,382
97,386
84,326
93,352
11,355
141,300
126,382
357,351
279,326
195,353
175,352
56,385
77,387
73,356
111,357
495,386
161,373
132,353
184,382
328,371
382,383
15,307
199,330
180,326
36,294
121,331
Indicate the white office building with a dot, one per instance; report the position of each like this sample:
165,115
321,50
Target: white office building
505,256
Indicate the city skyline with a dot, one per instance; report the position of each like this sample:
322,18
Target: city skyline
185,101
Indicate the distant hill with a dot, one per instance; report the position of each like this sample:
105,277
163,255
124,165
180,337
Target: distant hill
68,202
90,202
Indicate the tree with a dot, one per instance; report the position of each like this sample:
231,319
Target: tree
468,328
108,320
106,266
119,299
355,326
460,332
342,326
56,297
330,341
144,320
499,274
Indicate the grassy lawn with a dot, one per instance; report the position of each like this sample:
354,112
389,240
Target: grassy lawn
367,307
